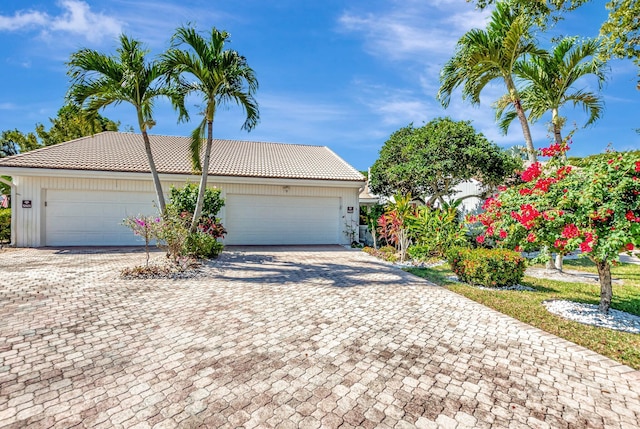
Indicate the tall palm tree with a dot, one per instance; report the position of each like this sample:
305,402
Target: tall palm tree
98,80
549,84
219,76
483,56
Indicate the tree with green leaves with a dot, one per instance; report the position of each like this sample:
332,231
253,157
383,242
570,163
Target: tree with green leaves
70,123
431,160
219,76
13,142
99,80
549,84
484,56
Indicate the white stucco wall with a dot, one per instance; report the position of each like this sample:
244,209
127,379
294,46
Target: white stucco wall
29,222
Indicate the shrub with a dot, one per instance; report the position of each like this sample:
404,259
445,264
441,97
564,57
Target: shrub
184,199
437,228
202,245
421,252
487,267
5,224
387,253
173,232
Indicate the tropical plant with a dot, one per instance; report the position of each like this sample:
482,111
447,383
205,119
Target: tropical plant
219,76
549,82
99,80
483,56
394,223
431,160
371,214
595,209
438,228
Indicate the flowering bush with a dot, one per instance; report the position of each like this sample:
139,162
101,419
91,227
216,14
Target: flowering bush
146,227
595,209
487,267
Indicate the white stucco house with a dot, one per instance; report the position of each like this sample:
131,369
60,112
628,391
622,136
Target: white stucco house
77,193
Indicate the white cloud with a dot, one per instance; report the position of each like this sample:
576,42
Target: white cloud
414,30
23,19
76,19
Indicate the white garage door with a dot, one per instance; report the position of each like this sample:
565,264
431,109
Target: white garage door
258,219
93,218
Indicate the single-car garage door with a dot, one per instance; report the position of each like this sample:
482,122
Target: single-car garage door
93,218
260,219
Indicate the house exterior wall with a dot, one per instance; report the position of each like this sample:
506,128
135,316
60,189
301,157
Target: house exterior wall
29,222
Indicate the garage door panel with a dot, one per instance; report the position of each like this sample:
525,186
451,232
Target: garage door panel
261,219
76,217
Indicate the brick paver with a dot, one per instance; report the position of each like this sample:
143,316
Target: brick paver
277,337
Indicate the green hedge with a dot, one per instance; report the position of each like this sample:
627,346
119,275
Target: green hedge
5,225
487,267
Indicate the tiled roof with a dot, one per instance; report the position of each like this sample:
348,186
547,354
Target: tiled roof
113,151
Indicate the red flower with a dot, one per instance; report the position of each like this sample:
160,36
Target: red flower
502,188
525,191
544,184
490,231
554,150
563,171
531,237
610,161
637,165
585,247
518,249
560,243
533,172
629,247
503,234
570,231
480,238
631,217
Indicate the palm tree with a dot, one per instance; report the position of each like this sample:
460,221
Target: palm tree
220,76
550,79
483,56
98,80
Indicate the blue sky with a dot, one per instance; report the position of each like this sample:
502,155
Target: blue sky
335,73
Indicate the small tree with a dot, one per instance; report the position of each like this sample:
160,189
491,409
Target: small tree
595,209
433,159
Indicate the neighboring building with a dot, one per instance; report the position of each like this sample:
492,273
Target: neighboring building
78,192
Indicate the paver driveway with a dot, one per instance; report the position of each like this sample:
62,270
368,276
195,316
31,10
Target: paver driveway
281,338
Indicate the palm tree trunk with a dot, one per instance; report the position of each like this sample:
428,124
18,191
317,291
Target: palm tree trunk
526,131
606,290
152,166
203,178
557,132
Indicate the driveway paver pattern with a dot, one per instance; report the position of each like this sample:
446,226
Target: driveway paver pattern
281,337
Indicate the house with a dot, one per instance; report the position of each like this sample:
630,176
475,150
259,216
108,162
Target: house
78,192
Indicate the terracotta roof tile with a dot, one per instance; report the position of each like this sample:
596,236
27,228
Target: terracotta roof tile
113,151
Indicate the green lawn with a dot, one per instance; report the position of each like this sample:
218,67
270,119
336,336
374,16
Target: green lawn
527,306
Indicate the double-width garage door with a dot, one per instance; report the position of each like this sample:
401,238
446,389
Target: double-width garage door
261,219
92,218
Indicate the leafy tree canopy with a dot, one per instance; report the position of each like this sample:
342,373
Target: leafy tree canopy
70,123
431,160
13,142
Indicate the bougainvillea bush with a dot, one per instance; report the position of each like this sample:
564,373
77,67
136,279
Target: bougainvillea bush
594,209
